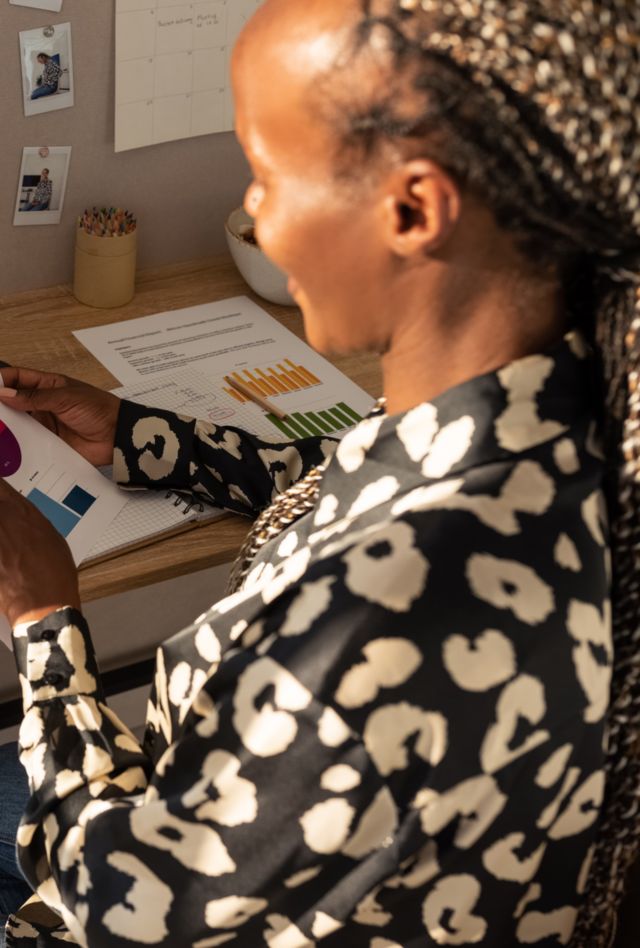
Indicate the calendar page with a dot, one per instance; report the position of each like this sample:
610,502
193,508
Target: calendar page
172,68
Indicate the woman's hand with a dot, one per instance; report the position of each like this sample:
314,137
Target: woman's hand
37,572
83,416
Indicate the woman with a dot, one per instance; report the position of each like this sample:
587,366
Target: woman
41,198
48,80
392,732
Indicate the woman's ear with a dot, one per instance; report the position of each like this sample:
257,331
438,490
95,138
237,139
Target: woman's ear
421,208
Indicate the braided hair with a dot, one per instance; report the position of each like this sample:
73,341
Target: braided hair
533,106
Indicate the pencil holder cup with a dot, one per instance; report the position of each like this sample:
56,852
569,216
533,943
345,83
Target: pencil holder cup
105,269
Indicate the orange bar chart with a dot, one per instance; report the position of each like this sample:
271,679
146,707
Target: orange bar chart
278,379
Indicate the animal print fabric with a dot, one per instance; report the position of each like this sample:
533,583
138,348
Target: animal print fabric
392,735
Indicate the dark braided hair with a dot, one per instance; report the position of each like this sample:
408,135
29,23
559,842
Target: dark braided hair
532,105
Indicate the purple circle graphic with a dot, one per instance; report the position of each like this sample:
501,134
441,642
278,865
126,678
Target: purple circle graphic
10,455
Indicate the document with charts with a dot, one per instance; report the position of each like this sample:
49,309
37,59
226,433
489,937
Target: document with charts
72,495
232,339
172,68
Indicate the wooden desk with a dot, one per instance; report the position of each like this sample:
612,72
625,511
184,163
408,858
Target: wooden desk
36,331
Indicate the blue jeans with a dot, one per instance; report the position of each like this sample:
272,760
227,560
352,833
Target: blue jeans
41,91
14,794
42,206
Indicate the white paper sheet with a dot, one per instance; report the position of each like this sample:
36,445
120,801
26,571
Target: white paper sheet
223,338
76,498
172,68
54,5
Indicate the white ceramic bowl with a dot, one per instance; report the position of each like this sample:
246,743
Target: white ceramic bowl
263,276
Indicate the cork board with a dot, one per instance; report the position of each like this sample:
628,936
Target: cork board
181,191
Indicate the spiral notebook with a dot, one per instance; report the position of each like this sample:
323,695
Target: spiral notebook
147,517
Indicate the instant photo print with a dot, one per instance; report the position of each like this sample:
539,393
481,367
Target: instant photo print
42,185
47,68
54,5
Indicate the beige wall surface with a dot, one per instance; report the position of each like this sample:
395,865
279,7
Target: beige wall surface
181,191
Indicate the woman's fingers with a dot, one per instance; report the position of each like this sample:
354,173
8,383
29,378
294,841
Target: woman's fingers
82,415
35,399
14,377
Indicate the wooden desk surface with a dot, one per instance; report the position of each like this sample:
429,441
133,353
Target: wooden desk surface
36,331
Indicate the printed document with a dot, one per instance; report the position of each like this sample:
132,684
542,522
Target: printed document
232,338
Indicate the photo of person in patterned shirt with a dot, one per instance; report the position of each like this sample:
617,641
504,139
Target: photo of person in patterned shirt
47,82
41,198
414,719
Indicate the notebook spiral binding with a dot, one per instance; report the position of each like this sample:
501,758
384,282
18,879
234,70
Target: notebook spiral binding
187,503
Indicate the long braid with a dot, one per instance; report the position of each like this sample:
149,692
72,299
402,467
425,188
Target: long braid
618,842
532,105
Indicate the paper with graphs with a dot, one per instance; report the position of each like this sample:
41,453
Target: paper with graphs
232,339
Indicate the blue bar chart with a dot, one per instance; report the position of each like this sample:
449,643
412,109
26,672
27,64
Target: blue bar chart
76,499
65,515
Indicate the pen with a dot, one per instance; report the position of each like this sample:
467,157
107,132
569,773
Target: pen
258,399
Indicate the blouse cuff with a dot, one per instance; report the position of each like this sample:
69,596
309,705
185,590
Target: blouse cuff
55,658
149,447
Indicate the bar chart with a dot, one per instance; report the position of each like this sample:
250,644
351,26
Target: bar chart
325,421
66,514
269,381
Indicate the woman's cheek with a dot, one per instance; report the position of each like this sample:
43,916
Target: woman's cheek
272,238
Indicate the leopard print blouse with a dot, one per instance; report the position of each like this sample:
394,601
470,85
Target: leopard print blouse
392,735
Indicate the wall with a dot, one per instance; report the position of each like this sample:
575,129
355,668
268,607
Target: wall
181,191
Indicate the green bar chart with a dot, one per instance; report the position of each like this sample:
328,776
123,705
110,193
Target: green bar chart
326,421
